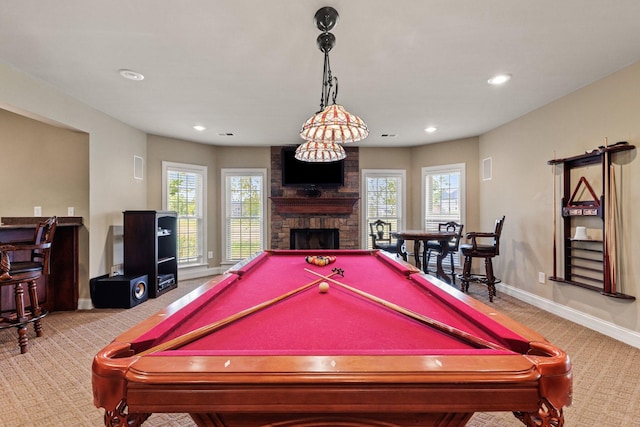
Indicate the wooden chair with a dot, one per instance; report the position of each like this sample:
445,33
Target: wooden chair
478,250
17,273
381,236
433,246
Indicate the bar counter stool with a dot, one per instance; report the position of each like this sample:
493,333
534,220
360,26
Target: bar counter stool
488,251
18,273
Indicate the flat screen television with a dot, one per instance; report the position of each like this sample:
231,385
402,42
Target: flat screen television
303,174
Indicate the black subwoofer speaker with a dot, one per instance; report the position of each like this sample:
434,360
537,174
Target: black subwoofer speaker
119,291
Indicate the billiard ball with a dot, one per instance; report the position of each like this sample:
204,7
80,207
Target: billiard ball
323,287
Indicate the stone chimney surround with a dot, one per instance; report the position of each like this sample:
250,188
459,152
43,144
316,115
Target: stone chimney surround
334,208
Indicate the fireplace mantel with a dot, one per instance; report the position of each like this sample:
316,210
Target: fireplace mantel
314,205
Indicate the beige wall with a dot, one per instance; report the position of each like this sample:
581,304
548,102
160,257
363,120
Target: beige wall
42,165
112,145
384,158
523,182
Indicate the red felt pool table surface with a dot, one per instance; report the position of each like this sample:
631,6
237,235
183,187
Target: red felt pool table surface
410,351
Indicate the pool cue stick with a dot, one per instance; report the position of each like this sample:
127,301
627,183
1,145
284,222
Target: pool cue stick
612,228
449,330
207,329
606,189
555,238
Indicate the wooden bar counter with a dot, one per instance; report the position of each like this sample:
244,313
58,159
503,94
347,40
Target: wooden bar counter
59,291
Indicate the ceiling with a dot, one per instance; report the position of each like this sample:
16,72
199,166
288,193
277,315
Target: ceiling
252,69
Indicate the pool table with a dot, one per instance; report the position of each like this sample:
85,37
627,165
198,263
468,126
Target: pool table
384,345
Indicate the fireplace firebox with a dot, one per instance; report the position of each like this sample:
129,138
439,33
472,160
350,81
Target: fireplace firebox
315,238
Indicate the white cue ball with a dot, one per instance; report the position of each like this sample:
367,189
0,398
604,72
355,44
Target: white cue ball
323,287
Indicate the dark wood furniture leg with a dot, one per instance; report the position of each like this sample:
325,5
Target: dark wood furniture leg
36,310
416,253
465,278
442,255
21,318
491,279
402,248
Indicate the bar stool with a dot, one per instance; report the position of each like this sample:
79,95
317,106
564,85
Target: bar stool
486,251
18,273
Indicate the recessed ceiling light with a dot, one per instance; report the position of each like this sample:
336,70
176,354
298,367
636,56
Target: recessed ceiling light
431,129
199,128
131,75
499,79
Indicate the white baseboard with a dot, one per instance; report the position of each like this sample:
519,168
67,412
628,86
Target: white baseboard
197,272
184,274
85,304
604,327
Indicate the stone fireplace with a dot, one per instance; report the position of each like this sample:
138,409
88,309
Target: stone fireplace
334,209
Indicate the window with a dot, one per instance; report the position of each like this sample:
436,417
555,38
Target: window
383,191
443,195
184,191
244,201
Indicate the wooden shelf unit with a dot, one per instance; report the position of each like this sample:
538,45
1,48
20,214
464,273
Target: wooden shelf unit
150,247
586,262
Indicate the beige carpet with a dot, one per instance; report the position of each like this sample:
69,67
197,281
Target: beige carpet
51,384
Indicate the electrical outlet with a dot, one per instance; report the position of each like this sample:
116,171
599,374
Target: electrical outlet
116,270
71,211
37,211
210,254
541,278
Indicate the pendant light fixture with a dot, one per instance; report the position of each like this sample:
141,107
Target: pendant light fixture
332,125
313,151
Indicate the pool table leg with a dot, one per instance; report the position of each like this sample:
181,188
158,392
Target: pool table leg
120,418
546,416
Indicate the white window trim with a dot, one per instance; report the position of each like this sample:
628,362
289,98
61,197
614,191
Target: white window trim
402,207
430,170
224,173
186,167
